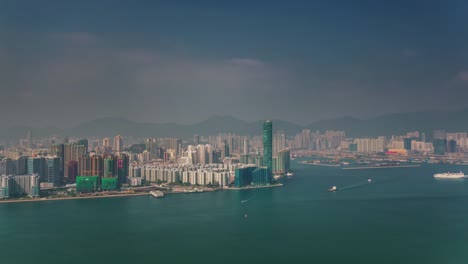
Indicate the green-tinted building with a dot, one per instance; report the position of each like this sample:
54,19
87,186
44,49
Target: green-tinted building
110,184
87,183
261,176
108,167
268,145
353,147
243,176
440,146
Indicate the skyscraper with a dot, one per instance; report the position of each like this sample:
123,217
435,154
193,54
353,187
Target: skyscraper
246,146
267,145
29,139
118,143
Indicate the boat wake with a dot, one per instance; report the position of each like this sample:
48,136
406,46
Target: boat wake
244,201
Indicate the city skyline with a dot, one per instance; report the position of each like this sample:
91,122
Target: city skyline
64,64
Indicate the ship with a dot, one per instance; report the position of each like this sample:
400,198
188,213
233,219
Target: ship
332,189
289,174
157,194
450,175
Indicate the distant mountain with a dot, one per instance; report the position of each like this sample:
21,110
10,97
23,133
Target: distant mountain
386,125
397,124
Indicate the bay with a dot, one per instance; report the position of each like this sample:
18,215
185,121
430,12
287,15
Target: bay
403,215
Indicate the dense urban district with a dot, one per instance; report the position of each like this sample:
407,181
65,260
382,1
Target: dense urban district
43,169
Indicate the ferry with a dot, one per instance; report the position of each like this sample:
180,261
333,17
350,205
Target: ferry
157,194
332,189
450,175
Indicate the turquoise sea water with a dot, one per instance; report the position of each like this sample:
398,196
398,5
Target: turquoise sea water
403,216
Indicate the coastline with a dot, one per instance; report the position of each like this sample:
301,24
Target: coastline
382,167
131,194
319,164
70,198
256,187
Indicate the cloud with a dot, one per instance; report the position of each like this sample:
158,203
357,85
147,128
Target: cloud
463,75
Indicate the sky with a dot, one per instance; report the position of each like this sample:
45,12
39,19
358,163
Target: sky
66,62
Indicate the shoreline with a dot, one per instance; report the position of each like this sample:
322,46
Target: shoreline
256,187
70,198
382,167
319,164
130,194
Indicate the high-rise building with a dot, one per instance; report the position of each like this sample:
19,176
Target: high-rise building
78,151
121,168
118,143
96,166
29,140
106,142
72,170
53,175
279,143
151,147
85,143
109,167
37,166
440,146
59,151
439,134
267,145
6,167
84,166
67,157
246,146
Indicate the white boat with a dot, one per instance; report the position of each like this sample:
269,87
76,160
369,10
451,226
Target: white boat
289,174
332,189
450,175
157,194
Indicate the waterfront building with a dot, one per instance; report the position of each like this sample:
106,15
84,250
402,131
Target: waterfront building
6,167
439,134
440,146
282,161
37,166
243,176
53,175
109,167
451,146
267,145
279,143
261,176
86,184
109,184
16,186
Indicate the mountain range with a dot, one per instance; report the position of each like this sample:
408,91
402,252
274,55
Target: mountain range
390,124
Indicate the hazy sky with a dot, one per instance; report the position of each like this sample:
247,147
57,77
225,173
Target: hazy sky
64,62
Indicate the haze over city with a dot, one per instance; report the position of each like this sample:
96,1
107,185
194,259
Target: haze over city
66,62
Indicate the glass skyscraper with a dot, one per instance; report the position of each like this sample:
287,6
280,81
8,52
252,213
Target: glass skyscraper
268,145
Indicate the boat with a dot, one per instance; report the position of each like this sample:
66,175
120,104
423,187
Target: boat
157,194
450,175
332,189
289,174
369,180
